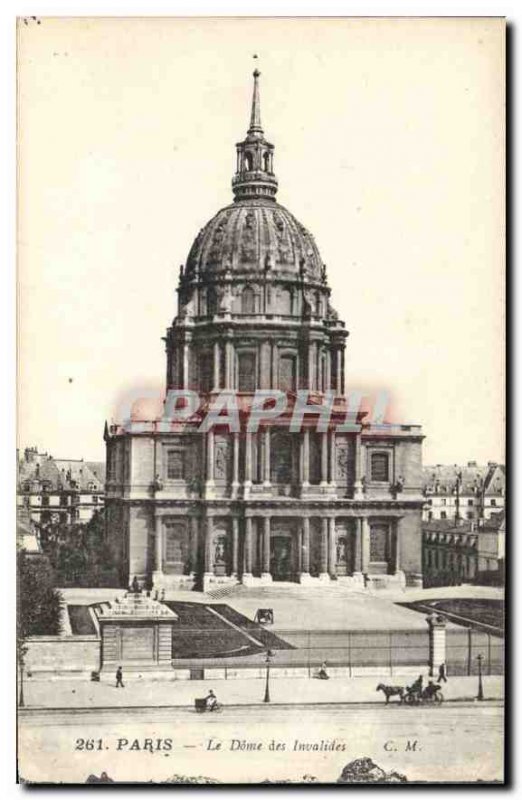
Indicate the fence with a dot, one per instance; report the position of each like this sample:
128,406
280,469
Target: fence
463,646
385,651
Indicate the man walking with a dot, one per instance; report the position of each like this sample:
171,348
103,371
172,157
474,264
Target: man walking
442,673
119,678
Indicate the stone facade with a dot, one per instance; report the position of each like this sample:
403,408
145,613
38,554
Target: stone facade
189,508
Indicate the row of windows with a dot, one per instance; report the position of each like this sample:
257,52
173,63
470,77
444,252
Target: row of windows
281,464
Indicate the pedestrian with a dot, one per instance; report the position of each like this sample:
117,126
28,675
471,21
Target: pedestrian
119,678
322,674
442,673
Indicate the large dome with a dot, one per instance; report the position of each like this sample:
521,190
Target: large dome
254,235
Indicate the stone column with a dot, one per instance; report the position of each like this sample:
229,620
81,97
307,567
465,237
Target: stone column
158,551
397,549
186,371
397,553
328,379
266,451
332,552
194,542
332,457
437,633
209,530
247,571
324,576
305,565
216,366
275,377
229,378
338,372
306,458
357,486
209,485
357,550
324,458
365,546
311,349
235,464
235,546
266,550
248,464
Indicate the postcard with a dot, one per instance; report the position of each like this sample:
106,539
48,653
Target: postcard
261,475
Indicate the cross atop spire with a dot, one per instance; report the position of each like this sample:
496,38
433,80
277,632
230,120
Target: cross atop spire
255,116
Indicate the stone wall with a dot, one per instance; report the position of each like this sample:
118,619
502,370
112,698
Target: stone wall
63,653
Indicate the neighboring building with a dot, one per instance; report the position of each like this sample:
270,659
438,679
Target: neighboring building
470,552
470,492
186,508
59,490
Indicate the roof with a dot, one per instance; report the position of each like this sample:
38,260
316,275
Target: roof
441,478
43,471
495,523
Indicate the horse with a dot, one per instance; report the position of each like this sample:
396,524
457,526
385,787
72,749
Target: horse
390,691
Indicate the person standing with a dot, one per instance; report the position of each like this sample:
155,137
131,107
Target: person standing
442,673
119,678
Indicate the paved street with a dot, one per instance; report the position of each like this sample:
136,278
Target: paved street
82,693
250,744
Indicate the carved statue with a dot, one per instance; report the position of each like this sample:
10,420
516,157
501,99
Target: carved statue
221,462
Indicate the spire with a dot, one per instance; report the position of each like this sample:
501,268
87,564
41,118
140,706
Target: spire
254,176
255,116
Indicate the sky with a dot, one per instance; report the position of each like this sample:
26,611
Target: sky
389,139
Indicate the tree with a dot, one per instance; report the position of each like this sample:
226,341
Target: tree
38,605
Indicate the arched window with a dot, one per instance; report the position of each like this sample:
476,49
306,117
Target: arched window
249,162
248,301
266,161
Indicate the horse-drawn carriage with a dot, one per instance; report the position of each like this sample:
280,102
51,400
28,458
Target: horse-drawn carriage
413,695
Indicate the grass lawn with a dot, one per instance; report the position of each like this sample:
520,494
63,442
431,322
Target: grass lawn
199,633
484,611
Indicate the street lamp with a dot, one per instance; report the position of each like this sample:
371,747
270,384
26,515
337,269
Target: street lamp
480,695
269,655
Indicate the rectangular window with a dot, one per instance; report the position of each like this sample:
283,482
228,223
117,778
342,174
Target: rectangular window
470,502
493,502
175,465
443,501
380,467
443,515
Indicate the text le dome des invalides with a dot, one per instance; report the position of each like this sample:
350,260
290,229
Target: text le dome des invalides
195,508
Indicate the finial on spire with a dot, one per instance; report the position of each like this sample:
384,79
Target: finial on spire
255,116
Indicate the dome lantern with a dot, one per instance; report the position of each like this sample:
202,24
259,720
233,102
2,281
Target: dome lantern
254,176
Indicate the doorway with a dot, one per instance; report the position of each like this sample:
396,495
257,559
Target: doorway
281,558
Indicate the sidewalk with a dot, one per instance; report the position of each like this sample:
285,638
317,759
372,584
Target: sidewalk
142,692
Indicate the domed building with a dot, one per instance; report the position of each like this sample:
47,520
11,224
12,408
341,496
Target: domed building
191,507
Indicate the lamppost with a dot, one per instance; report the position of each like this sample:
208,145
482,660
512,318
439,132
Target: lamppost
480,695
269,655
